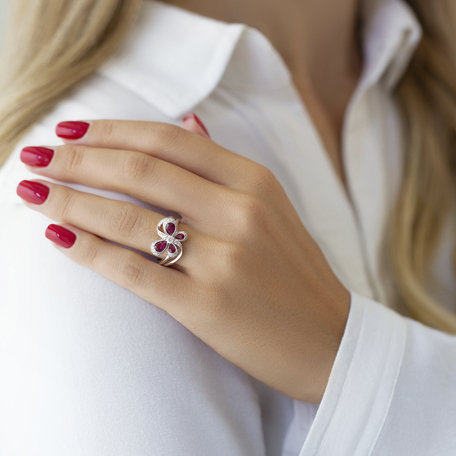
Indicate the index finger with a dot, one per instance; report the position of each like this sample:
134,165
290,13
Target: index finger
166,141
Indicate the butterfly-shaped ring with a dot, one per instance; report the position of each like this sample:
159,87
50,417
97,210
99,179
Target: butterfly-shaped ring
170,242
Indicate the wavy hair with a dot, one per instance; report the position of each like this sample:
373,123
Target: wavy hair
426,96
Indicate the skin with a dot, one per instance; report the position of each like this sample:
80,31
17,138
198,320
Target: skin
265,299
270,306
325,70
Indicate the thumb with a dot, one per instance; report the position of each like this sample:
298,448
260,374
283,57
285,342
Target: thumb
191,122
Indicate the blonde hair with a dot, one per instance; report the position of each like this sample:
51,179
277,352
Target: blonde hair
48,48
51,47
426,96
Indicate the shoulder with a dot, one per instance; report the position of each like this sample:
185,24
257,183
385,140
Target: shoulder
26,254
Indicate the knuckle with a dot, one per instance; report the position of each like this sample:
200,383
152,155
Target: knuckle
107,130
250,211
138,166
169,135
125,223
65,205
263,179
90,255
74,158
131,273
266,175
229,257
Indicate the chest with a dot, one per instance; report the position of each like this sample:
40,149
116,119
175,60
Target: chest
328,122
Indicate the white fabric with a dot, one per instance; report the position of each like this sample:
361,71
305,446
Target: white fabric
88,368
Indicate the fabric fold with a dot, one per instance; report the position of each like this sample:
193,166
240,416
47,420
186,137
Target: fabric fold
361,383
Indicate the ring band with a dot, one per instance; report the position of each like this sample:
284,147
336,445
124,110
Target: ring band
170,240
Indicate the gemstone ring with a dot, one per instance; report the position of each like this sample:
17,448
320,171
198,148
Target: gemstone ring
170,242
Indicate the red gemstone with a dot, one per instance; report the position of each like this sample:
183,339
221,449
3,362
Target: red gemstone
170,228
179,236
172,248
160,246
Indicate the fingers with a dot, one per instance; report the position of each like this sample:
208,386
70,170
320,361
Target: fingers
168,142
119,221
192,123
165,287
145,177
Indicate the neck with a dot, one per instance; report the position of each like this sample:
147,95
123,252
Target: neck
317,39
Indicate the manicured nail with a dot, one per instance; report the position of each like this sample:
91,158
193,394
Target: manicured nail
198,121
33,192
36,156
60,235
71,130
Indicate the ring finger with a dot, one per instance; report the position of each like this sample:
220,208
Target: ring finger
118,221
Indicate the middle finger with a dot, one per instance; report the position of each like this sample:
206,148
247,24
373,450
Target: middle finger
147,178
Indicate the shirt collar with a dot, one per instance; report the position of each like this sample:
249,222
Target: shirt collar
175,58
391,32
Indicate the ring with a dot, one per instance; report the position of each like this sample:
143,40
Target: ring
170,240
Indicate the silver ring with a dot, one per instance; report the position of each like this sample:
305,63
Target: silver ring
170,240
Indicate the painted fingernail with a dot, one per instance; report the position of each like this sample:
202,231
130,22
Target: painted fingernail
33,192
198,121
36,156
71,130
60,235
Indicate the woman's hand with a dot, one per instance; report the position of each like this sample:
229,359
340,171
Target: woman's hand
251,283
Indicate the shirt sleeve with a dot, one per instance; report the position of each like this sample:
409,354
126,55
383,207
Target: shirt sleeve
391,391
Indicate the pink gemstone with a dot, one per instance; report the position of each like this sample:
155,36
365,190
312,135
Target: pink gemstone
160,246
179,236
170,228
172,248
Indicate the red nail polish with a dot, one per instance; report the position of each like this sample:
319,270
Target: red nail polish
60,235
33,192
198,121
71,130
36,156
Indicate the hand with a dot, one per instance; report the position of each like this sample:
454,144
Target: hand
251,283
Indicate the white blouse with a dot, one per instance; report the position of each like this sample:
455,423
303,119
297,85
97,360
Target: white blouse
88,368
